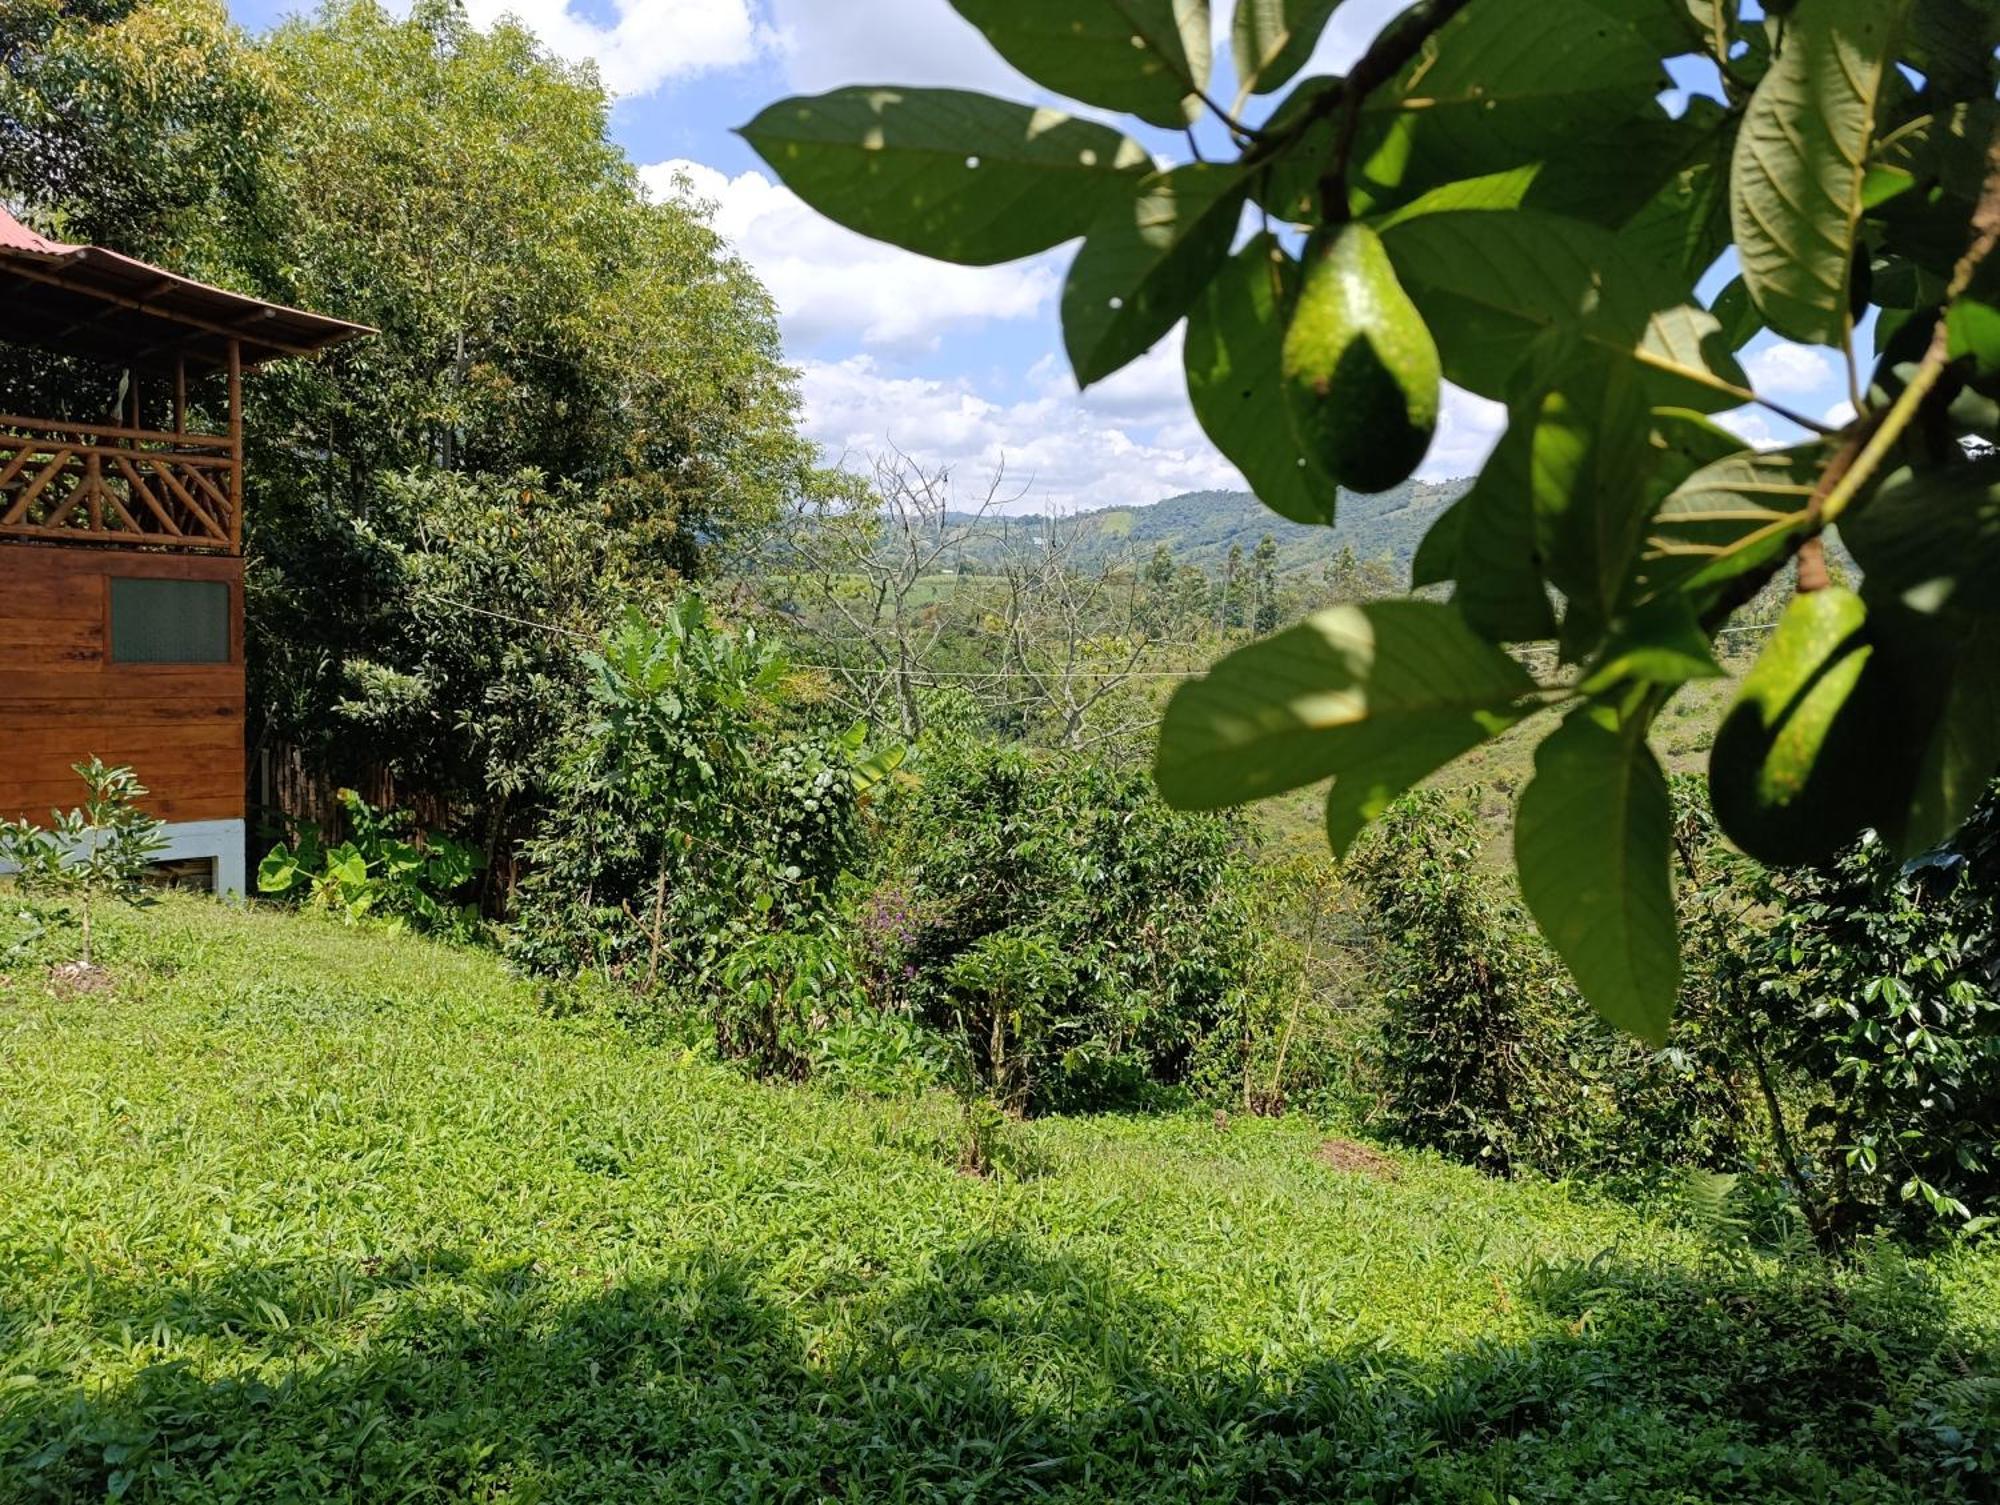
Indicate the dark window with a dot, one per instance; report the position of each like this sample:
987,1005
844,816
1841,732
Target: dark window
169,622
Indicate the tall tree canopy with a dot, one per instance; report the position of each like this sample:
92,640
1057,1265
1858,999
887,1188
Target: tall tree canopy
576,394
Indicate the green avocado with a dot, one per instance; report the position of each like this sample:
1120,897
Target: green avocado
1360,368
1792,774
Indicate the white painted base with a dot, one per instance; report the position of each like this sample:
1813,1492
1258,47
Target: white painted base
221,841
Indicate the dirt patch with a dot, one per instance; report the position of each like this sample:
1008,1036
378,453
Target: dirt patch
1359,1159
72,978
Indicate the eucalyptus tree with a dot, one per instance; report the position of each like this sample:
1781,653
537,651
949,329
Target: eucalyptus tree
1496,195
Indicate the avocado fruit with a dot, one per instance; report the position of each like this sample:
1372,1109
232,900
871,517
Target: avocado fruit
1798,768
1361,371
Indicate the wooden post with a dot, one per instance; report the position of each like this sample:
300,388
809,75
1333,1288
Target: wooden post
236,446
180,394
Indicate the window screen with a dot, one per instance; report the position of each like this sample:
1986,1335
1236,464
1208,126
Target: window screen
169,622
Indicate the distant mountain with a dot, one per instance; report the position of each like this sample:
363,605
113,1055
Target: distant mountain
1201,526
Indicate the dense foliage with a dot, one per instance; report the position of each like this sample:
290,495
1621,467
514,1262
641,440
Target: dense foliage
1480,1050
1879,985
1462,205
1081,941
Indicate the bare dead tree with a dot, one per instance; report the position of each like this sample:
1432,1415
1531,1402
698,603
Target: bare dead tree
1075,637
868,563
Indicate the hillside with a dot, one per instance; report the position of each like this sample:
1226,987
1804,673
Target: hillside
298,1212
1201,526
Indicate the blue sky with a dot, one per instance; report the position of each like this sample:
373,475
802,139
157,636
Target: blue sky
957,367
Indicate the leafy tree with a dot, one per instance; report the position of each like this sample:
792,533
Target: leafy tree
97,851
1264,586
1455,207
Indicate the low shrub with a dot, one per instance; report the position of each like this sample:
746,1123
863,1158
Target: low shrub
1078,940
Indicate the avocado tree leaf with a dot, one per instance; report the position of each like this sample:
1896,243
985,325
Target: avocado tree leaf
1972,324
1796,181
1372,689
1963,750
1491,284
1729,517
1932,536
1502,589
1380,769
1593,840
1738,316
1499,85
1235,337
1271,39
958,176
1145,57
1436,559
1661,643
1144,263
1587,488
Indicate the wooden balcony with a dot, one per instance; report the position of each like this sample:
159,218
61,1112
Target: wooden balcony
89,483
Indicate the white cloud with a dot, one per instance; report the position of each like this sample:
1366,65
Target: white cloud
1755,429
1785,369
649,42
1468,428
1067,456
836,287
1839,415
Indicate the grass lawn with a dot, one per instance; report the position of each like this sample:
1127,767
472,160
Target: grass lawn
302,1213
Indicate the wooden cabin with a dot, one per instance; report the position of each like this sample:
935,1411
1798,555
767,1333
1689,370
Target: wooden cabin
121,540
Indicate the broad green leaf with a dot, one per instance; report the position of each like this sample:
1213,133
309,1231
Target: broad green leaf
1715,23
1684,225
1972,325
1288,184
1685,442
1952,43
1729,517
1654,20
1436,559
958,176
1492,284
1144,263
1659,644
1377,772
1145,57
1963,750
1235,335
1501,586
1588,491
1738,316
1801,160
1271,39
1593,840
1348,688
1932,536
1500,85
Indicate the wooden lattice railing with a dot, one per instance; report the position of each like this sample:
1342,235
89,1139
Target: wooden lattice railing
90,483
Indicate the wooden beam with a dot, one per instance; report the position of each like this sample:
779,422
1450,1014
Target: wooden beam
145,494
113,431
153,310
180,394
236,445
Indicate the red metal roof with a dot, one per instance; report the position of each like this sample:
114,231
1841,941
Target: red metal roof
15,236
90,301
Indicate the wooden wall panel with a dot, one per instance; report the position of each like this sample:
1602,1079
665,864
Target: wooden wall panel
180,727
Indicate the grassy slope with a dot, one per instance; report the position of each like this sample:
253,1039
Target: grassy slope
304,1213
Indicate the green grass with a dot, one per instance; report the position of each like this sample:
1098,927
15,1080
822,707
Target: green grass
300,1213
